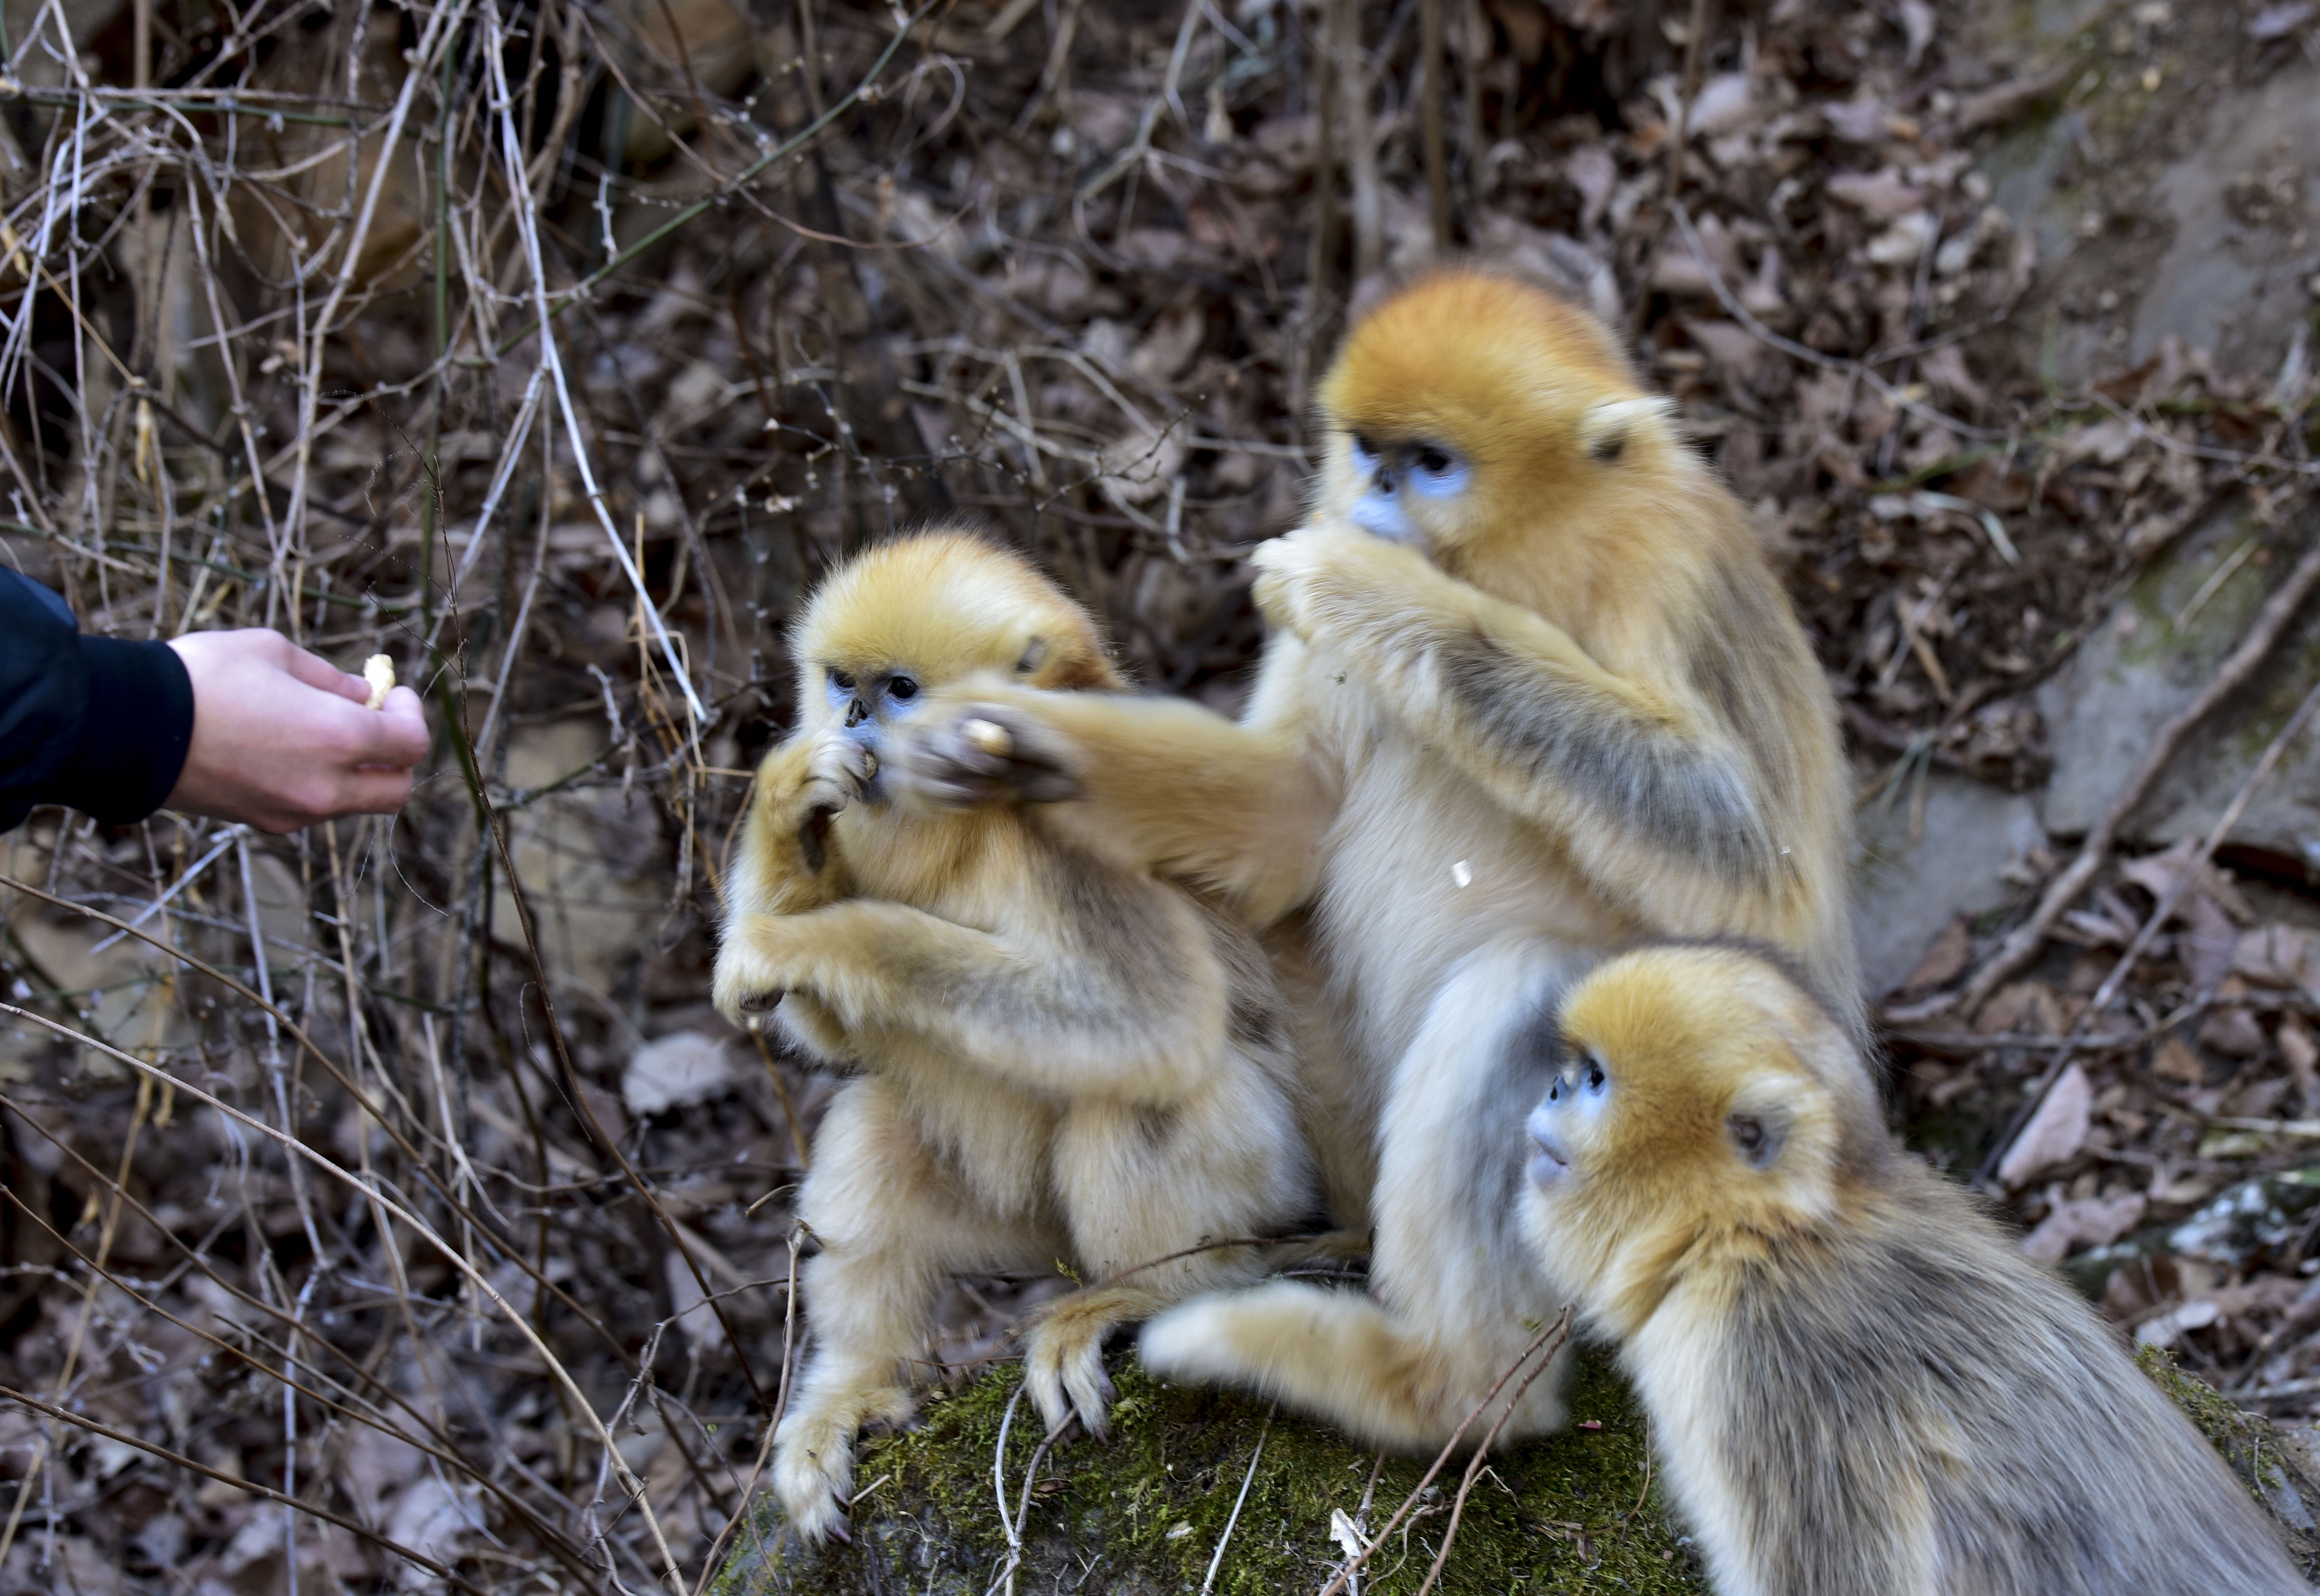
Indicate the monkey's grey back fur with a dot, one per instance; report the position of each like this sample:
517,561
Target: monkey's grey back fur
1915,1374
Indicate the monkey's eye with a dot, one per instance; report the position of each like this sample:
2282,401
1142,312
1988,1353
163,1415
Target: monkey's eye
842,680
1438,473
1364,449
903,689
1596,1079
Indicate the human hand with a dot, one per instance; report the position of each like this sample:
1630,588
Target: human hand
282,740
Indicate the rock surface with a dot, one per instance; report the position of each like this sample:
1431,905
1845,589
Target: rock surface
2152,656
1907,887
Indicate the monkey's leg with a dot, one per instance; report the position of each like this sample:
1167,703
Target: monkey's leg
1457,1295
1237,807
1156,1196
893,1224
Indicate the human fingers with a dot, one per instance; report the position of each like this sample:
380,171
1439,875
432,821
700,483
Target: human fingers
394,735
373,791
317,671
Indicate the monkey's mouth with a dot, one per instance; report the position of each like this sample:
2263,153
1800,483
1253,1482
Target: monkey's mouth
1549,1161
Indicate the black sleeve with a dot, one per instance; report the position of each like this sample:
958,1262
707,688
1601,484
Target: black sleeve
98,723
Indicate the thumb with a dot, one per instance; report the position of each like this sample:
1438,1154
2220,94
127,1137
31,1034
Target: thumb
395,734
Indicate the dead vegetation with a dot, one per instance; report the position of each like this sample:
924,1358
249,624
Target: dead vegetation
400,1171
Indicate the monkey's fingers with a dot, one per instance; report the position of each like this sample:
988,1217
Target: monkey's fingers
978,758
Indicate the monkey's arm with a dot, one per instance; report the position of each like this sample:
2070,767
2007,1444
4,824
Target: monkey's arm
1238,808
1517,704
1135,1010
788,860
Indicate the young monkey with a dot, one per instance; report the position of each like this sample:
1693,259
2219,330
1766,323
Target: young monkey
1052,1056
1533,691
1858,1384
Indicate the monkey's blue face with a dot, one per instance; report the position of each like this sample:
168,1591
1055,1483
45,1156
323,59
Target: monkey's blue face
867,702
1573,1104
1406,487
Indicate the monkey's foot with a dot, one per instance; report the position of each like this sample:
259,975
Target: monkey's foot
1062,1363
813,1456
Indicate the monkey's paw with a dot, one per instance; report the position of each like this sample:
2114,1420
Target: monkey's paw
1326,580
1063,1366
837,772
957,755
756,965
813,1458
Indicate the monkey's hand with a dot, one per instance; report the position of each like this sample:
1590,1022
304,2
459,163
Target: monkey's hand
760,960
836,771
966,748
1337,587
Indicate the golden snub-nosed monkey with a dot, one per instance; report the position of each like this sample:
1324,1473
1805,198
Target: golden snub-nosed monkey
1533,693
1052,1056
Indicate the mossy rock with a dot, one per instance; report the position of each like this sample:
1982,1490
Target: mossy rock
2277,1468
1573,1514
1142,1515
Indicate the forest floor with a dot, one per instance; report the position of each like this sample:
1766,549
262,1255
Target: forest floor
1998,316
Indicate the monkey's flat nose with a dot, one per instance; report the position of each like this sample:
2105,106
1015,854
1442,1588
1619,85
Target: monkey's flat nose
856,713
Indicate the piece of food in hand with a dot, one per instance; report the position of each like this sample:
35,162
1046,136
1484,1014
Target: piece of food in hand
869,765
379,671
990,736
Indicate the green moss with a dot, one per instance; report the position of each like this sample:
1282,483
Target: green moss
2252,1446
1573,1514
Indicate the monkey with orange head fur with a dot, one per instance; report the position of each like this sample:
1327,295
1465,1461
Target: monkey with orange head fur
1857,1381
1053,1055
1534,692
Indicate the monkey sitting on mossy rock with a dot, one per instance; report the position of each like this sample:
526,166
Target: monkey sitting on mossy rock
1572,1514
1857,1381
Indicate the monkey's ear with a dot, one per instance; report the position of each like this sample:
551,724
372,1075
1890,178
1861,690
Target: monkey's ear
1758,1135
1605,429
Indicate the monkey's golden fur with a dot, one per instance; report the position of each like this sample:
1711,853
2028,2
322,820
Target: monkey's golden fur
1056,1057
1858,1384
1570,708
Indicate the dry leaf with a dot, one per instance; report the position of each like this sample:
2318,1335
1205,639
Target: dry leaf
2303,1055
2084,1222
2175,1060
2271,955
674,1071
1944,961
2055,1133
